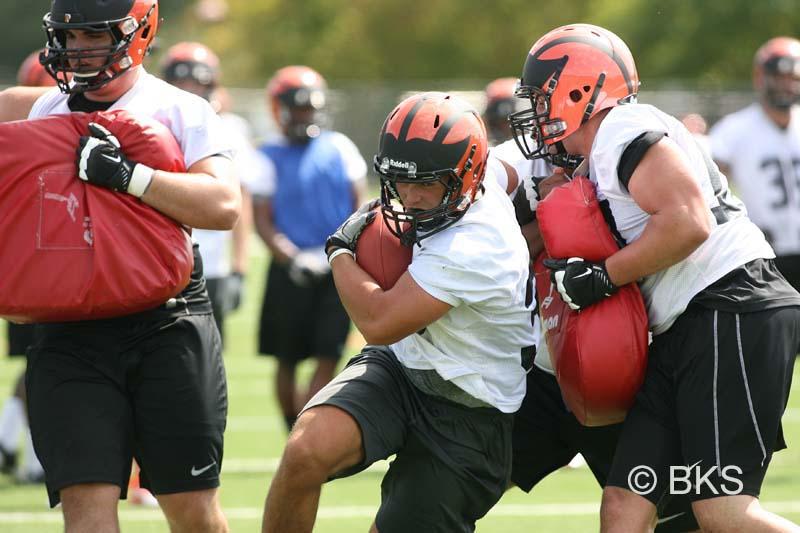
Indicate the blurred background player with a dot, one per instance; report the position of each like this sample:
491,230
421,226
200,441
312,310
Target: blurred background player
319,180
193,67
758,148
13,421
500,103
698,127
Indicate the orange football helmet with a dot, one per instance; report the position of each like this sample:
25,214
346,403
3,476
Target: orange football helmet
500,103
571,74
132,25
195,62
296,97
430,137
776,72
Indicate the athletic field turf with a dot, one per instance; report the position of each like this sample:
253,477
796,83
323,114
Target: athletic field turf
566,501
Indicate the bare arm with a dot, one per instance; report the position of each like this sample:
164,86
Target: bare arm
207,196
241,234
384,317
534,238
279,245
512,177
531,230
663,186
16,102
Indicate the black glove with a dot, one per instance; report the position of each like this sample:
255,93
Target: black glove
101,162
580,283
526,199
346,237
235,286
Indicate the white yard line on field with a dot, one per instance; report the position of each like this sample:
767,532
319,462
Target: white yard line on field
357,511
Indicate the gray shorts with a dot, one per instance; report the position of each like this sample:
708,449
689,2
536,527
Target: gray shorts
452,462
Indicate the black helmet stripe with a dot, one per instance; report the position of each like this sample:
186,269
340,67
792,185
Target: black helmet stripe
599,44
446,126
410,119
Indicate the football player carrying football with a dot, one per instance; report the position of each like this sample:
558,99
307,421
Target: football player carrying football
449,344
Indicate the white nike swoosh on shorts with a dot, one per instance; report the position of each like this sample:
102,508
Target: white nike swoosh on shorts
197,471
668,518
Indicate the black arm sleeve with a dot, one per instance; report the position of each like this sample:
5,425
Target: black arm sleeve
634,153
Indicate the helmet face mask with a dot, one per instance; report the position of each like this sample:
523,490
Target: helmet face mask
129,37
776,73
413,225
192,67
297,97
430,138
500,104
302,115
571,74
533,127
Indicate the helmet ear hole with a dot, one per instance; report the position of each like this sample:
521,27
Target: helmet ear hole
575,95
586,88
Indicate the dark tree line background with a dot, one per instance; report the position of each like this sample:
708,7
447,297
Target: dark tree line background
703,43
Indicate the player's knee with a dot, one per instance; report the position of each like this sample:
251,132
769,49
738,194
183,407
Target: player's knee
304,455
613,505
713,514
316,449
196,511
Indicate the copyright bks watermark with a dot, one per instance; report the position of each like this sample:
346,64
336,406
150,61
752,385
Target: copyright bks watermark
692,479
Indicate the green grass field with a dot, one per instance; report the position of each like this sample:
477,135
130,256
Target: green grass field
566,501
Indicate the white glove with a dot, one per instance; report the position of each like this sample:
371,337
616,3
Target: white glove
309,266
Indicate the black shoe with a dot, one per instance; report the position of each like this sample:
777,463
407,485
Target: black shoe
8,461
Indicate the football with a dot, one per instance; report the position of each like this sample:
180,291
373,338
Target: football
379,252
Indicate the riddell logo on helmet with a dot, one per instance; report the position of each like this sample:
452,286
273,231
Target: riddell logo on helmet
401,164
408,166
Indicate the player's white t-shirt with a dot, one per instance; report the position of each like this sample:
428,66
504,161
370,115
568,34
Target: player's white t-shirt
509,153
764,163
195,125
480,266
733,241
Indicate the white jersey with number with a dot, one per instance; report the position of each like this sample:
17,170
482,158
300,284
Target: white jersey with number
480,267
192,121
734,239
764,163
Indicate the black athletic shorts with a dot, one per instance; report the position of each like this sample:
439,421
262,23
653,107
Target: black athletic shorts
20,336
547,436
102,393
221,301
716,387
300,322
453,462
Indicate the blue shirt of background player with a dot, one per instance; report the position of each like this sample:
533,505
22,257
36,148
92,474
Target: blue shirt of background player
313,192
